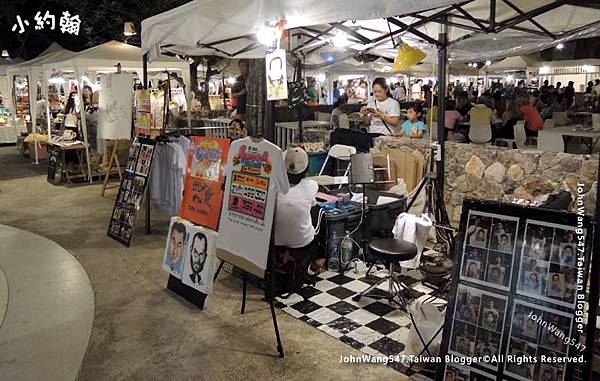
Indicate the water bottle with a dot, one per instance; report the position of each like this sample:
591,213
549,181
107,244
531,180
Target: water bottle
346,249
334,260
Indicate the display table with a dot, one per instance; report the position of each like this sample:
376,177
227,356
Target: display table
568,132
57,164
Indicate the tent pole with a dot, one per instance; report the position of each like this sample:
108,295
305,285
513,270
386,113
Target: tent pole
442,59
45,90
145,84
32,112
83,121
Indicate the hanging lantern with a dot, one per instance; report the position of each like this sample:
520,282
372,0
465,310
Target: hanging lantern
407,57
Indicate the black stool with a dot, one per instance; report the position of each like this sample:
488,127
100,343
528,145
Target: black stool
390,251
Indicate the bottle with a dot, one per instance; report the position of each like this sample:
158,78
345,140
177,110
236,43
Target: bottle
346,249
333,263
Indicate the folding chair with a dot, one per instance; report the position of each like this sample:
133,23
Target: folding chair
339,152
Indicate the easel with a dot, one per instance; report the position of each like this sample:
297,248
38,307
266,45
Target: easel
267,275
114,158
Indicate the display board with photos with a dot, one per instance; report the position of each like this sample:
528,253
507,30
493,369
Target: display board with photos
204,180
514,294
132,190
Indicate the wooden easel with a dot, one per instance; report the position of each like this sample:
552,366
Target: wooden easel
114,158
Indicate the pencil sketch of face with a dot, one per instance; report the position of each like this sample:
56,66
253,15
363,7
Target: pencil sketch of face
276,69
198,253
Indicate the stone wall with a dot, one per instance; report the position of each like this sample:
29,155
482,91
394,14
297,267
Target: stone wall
502,174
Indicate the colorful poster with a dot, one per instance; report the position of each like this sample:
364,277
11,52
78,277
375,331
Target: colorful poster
255,174
207,158
132,190
200,260
205,175
202,201
276,75
143,100
177,245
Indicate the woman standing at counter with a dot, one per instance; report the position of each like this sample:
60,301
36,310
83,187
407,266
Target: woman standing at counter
382,114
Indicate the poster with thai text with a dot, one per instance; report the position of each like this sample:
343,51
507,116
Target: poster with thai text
207,158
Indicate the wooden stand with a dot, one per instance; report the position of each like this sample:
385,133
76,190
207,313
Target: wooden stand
114,158
190,294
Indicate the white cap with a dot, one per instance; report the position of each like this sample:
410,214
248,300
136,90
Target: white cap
296,160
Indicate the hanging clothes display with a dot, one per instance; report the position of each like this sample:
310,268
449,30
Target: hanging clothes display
167,175
255,175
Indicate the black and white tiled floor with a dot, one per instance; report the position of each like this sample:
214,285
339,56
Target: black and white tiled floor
372,326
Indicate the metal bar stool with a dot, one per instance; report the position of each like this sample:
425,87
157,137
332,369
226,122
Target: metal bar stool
390,251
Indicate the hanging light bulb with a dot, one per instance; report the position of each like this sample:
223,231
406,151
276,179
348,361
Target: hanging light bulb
475,65
5,53
488,63
267,35
560,46
129,29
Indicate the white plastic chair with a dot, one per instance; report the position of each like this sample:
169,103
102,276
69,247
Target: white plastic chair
550,142
344,121
521,136
339,152
480,134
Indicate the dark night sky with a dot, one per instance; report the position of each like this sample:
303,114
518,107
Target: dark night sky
101,20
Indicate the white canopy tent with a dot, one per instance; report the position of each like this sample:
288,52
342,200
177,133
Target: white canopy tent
511,63
105,57
34,72
5,83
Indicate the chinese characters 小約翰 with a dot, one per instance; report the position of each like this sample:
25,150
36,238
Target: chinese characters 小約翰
67,23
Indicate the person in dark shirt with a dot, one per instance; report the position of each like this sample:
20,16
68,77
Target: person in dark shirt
569,94
239,89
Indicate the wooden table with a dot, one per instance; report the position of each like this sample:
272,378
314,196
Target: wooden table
59,162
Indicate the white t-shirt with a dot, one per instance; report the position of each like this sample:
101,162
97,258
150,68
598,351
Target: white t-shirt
416,92
336,112
293,223
255,174
390,107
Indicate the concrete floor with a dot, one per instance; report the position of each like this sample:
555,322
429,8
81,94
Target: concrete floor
141,330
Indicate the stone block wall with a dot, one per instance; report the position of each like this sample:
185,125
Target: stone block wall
502,174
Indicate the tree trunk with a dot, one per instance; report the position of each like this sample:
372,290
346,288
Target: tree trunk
257,95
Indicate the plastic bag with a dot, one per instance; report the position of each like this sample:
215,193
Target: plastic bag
428,320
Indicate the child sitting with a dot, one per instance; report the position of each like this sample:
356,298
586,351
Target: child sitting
412,126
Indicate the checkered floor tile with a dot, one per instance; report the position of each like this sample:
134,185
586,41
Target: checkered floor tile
373,326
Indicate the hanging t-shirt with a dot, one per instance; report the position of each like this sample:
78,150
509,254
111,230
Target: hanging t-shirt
199,262
167,175
255,175
390,107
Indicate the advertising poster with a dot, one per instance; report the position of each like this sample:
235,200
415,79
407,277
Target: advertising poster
132,190
200,260
255,174
276,75
203,186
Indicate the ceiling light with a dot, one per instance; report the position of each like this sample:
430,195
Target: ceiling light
5,53
560,46
475,65
129,29
321,78
340,39
470,64
488,63
267,35
231,80
509,78
545,70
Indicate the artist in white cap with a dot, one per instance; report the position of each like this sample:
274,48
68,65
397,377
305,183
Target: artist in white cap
293,222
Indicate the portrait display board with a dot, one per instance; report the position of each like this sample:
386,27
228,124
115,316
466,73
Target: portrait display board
255,175
143,117
115,111
203,186
132,190
190,254
516,304
276,75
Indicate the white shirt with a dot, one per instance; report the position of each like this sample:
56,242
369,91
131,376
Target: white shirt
414,230
336,112
416,92
390,107
255,174
293,223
